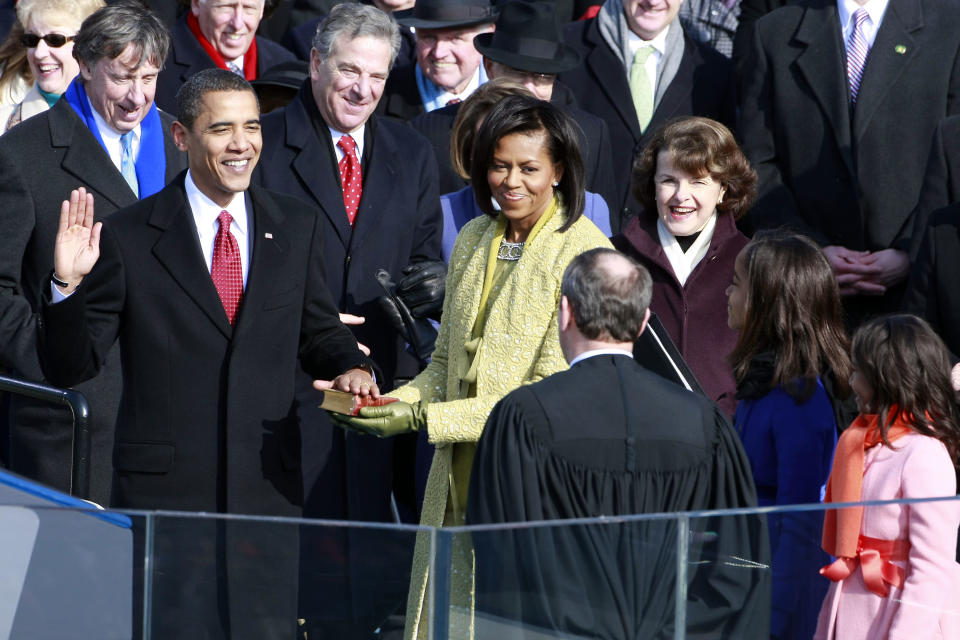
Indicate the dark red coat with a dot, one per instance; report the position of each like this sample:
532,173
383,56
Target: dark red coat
695,314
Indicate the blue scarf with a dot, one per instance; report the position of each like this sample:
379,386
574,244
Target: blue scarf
151,159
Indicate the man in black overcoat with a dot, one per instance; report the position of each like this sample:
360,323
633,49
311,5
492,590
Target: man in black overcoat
841,146
77,143
217,294
681,77
217,33
610,438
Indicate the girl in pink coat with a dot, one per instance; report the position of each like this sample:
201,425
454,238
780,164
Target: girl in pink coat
895,575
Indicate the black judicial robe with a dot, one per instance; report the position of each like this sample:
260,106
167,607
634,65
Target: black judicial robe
609,438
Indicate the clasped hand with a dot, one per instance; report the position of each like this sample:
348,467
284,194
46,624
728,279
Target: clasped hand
388,420
78,239
867,272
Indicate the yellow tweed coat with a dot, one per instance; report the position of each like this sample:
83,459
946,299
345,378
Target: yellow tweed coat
520,346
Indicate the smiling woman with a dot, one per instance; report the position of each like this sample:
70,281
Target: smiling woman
49,29
693,183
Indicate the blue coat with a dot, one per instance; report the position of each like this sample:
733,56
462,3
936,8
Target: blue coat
790,448
460,207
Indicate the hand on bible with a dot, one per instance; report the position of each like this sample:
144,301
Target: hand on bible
357,381
78,239
386,421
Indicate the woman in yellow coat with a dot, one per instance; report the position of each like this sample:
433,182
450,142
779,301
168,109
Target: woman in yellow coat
499,326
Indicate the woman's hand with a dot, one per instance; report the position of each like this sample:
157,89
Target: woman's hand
386,421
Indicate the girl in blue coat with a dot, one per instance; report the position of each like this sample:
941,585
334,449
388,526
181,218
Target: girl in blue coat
791,351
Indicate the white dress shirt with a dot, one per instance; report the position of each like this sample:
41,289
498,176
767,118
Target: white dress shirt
111,138
600,352
205,214
875,9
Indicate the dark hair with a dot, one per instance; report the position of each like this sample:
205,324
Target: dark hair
354,20
700,147
528,115
907,365
107,33
793,310
191,93
609,293
473,110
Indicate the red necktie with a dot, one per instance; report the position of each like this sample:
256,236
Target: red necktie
226,268
350,178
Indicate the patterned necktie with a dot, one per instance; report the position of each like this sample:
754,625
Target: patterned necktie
640,88
226,268
350,178
128,167
857,50
235,68
453,101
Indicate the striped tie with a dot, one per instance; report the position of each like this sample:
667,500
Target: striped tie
857,50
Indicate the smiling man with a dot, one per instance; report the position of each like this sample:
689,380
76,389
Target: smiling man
217,33
375,183
214,291
107,135
640,69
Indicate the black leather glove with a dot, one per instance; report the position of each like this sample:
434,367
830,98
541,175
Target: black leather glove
422,287
417,332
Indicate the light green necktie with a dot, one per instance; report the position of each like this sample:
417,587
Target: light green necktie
128,167
640,86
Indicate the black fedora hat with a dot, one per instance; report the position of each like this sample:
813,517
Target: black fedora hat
441,14
528,38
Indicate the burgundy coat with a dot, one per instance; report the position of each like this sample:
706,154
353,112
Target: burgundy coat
695,314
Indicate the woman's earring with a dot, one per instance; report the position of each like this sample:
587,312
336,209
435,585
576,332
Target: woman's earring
556,184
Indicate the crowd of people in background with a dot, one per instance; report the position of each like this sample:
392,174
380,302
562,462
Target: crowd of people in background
212,212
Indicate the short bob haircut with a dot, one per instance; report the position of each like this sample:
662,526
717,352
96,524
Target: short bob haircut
471,112
700,147
57,10
528,115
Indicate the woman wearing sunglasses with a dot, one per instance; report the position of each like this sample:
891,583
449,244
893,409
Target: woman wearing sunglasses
48,30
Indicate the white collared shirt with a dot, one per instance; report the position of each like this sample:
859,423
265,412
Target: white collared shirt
600,352
875,9
111,138
205,213
659,44
357,138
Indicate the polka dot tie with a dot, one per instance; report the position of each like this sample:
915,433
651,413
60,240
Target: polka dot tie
226,268
350,178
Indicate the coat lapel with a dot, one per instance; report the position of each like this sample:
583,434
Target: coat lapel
605,66
311,165
178,250
891,53
377,187
822,65
268,250
84,158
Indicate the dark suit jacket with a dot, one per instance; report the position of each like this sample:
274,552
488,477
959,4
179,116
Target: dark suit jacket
437,125
941,181
602,438
847,180
933,293
703,86
207,419
398,222
187,56
41,161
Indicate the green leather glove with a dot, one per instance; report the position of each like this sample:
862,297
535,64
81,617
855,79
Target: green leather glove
389,420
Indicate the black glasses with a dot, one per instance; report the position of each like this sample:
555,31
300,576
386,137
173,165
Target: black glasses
55,40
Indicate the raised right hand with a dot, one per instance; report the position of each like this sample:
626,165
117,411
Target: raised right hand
78,239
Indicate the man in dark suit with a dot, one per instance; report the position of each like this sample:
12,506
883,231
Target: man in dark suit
78,142
217,33
447,67
641,69
839,110
599,439
510,52
217,294
379,210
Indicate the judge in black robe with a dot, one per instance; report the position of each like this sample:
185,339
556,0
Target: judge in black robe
609,438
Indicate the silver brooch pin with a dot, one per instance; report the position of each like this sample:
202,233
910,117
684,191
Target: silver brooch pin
268,236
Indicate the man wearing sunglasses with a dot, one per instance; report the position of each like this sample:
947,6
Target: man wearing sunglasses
106,135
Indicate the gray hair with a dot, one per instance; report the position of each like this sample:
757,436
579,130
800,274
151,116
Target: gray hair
353,20
608,300
191,93
56,9
108,32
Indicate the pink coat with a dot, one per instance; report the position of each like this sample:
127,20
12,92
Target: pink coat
928,605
